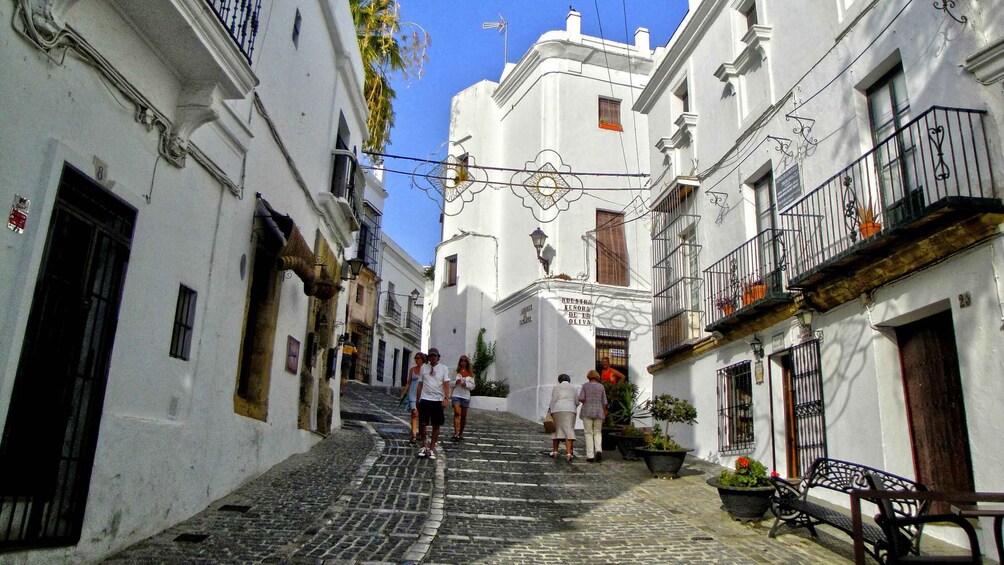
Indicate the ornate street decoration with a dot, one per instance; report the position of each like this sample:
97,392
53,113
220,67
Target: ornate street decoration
546,186
947,6
452,181
937,137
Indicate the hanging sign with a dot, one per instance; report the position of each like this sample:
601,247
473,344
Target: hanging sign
18,214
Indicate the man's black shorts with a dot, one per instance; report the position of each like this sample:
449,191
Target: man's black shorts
431,412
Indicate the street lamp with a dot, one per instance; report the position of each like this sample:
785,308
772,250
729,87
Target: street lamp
757,346
538,237
351,268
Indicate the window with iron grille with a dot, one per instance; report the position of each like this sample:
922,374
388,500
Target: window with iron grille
611,249
613,344
735,407
381,353
610,114
451,271
184,322
676,291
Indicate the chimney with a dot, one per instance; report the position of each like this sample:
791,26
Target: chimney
573,23
641,40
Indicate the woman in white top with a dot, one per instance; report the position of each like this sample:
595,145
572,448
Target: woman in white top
463,384
564,400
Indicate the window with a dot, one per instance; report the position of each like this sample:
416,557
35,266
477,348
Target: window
360,293
888,112
405,365
343,168
611,249
393,367
613,344
381,353
763,192
450,279
610,114
296,28
184,321
683,97
735,407
676,287
749,13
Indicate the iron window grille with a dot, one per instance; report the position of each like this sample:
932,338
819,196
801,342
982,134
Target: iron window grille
735,408
613,344
381,353
184,322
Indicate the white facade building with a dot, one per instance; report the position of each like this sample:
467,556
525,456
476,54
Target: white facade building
563,109
177,230
399,315
775,131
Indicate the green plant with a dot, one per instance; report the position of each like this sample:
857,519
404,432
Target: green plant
866,213
623,406
749,473
429,273
631,431
668,409
495,389
484,356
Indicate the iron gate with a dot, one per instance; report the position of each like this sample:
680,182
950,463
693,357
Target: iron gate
807,414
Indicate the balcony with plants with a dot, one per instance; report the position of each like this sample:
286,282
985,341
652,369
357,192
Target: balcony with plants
747,283
923,193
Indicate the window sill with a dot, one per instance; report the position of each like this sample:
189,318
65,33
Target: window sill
611,127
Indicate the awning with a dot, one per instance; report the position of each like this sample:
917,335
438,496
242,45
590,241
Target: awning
294,253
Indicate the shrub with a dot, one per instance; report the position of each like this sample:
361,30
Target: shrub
496,389
749,473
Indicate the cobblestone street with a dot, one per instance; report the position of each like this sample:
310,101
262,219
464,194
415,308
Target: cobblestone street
362,496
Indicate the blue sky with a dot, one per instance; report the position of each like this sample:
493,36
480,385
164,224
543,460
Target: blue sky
461,54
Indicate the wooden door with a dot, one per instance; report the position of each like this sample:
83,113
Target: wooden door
935,408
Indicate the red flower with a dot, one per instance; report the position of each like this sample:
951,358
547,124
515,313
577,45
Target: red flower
743,462
775,474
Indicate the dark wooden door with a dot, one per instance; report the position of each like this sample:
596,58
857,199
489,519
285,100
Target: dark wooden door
935,408
51,429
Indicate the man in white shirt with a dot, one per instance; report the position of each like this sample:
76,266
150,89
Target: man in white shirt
433,391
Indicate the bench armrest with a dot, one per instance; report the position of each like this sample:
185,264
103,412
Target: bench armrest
785,490
903,521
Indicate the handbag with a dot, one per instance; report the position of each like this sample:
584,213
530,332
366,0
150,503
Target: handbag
549,424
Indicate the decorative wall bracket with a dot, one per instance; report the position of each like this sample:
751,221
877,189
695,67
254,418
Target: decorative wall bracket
947,6
804,128
783,145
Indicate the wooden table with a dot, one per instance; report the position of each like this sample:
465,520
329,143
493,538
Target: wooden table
990,511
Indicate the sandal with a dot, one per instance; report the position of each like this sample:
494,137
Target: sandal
553,454
569,457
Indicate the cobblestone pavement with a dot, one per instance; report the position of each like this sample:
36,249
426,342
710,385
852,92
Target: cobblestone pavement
361,496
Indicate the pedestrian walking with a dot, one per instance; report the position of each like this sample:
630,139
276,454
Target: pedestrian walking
411,392
593,398
433,390
564,400
463,384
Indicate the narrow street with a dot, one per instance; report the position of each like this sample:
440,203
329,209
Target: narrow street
361,496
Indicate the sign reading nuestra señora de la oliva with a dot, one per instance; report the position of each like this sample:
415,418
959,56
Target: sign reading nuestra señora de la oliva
526,314
578,311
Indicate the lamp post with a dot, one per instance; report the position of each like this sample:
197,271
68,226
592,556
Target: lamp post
538,237
351,268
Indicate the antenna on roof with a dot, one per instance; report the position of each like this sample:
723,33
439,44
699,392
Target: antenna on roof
503,27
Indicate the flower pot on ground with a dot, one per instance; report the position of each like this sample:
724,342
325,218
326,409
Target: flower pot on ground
629,439
663,456
624,408
745,492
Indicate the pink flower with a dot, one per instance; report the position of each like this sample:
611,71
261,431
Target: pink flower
774,474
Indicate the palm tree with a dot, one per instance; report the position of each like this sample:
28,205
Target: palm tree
386,49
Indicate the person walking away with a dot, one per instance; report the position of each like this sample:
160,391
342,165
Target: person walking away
411,391
593,398
609,374
433,389
463,384
564,401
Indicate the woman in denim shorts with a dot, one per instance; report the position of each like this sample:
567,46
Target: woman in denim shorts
463,384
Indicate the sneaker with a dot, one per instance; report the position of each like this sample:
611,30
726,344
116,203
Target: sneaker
423,452
432,455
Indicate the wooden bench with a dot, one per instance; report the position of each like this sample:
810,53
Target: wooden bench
791,506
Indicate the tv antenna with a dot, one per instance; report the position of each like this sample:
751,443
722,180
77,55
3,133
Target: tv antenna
503,27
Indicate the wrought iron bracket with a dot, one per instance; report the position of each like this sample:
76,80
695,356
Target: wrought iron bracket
804,127
783,145
947,6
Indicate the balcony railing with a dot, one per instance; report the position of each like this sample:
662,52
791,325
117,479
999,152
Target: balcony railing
933,171
746,281
240,17
414,323
393,310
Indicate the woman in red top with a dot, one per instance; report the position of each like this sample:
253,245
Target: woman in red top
609,374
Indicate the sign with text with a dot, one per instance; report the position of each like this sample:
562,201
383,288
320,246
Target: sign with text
578,311
789,187
526,315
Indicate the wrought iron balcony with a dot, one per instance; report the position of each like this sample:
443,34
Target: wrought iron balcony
414,323
931,176
240,17
393,310
747,281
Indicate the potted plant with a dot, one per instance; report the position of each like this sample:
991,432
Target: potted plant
630,438
746,491
623,408
726,305
663,456
753,289
867,224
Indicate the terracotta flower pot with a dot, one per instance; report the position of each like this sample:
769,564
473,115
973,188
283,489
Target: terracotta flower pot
753,293
727,309
869,229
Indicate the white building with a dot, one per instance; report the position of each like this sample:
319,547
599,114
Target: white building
561,111
399,315
773,129
178,224
364,289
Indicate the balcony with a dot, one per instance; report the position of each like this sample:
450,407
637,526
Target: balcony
414,323
923,193
747,283
342,205
205,42
393,310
